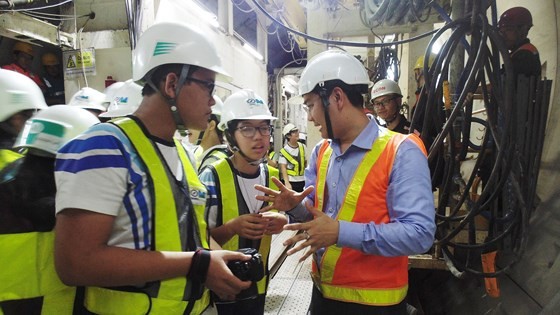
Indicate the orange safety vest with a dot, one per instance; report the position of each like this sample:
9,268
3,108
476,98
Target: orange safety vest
347,274
527,46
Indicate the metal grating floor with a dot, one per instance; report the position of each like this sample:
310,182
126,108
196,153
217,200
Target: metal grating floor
289,291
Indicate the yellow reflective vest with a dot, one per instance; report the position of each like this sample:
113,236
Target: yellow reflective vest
298,165
170,297
27,271
230,209
7,157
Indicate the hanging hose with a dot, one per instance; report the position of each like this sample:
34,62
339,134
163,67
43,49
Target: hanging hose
446,130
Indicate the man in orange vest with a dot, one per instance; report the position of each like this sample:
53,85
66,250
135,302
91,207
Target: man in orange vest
514,26
23,61
371,205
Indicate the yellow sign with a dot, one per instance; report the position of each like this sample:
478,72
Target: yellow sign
79,61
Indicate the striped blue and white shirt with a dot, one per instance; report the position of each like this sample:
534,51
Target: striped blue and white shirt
100,171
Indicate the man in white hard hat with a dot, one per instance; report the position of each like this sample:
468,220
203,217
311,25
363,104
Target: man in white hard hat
371,203
130,207
386,98
292,159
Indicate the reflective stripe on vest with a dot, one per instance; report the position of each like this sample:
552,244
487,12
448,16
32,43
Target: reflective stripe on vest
527,46
27,271
167,237
226,179
347,274
299,166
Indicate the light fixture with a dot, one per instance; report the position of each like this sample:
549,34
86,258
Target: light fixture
252,51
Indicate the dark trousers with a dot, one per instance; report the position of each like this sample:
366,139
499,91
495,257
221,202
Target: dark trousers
322,306
246,307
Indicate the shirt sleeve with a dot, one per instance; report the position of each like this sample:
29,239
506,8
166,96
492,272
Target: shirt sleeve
208,179
92,172
411,209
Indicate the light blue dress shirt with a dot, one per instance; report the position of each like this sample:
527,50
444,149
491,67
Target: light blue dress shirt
409,199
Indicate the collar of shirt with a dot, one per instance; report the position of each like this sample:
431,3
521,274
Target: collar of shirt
363,141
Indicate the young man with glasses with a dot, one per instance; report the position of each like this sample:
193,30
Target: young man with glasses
233,215
130,207
386,99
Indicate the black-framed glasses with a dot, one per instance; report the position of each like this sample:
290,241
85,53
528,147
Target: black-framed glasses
211,86
382,103
250,131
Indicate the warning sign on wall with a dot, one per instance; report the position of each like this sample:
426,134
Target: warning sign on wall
79,62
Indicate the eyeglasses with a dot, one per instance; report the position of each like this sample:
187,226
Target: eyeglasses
382,103
250,131
211,86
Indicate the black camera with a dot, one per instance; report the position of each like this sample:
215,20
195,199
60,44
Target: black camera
248,270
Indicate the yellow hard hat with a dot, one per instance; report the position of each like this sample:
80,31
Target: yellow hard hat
50,59
420,61
24,47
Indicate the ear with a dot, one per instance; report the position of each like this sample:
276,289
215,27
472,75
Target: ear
170,84
338,96
211,125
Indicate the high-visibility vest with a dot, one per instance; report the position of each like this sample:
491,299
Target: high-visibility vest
230,210
27,271
170,296
7,157
347,274
298,165
527,46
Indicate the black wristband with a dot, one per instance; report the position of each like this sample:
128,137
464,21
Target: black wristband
199,265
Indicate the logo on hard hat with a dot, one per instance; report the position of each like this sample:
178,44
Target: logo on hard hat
121,99
255,101
381,88
164,48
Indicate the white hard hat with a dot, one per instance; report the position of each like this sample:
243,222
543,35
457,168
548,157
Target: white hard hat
18,93
174,42
288,128
123,99
89,98
332,65
218,108
244,105
48,130
385,87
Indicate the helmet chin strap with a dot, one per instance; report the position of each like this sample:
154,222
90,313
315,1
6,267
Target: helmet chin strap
252,162
172,101
326,103
390,120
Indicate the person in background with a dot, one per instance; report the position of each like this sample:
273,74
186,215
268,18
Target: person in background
386,98
23,61
91,99
372,205
130,207
210,141
233,215
28,281
419,78
272,155
292,159
53,79
123,98
21,98
514,26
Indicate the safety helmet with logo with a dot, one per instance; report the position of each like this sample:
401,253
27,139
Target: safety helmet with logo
385,87
18,93
244,105
50,59
174,43
332,65
123,97
288,129
24,47
516,16
48,130
89,98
